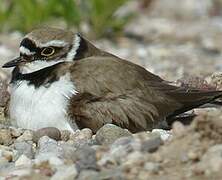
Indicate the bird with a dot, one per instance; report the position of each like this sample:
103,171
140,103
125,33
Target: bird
61,79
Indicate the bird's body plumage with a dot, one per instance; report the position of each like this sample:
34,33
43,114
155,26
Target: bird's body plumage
94,89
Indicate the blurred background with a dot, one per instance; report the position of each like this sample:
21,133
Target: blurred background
168,37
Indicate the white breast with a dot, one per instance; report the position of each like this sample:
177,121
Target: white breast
34,108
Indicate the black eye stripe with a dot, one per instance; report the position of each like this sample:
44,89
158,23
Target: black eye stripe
29,44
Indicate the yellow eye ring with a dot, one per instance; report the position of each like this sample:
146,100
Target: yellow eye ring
48,51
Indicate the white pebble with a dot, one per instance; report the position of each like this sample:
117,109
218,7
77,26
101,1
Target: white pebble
65,172
23,160
165,135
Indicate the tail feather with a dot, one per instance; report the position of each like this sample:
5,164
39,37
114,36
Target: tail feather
193,99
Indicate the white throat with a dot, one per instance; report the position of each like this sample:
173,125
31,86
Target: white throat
36,65
35,108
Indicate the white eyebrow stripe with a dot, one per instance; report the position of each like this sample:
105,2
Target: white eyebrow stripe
72,52
25,50
57,43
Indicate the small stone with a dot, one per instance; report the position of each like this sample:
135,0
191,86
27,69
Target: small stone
88,175
93,136
142,136
3,161
5,137
84,134
87,132
119,150
26,136
68,150
110,133
65,173
8,155
65,135
216,79
184,157
158,158
51,132
23,160
152,167
127,143
24,172
178,128
24,148
81,138
34,175
193,156
111,174
16,132
48,148
165,135
152,144
85,158
134,159
211,162
55,161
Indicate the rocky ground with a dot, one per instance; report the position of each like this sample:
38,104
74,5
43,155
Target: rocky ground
171,39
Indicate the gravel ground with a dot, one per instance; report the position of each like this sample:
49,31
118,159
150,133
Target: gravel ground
169,39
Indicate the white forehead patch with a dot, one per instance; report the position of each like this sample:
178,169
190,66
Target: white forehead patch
72,52
25,51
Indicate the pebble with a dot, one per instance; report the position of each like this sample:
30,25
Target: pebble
110,133
152,167
55,161
23,160
114,173
165,135
193,156
178,128
152,144
86,158
119,150
211,162
8,155
16,132
133,159
65,134
88,175
5,137
26,136
81,138
142,136
65,173
25,148
68,150
84,134
51,132
24,172
47,148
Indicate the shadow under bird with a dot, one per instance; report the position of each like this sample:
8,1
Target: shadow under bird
62,80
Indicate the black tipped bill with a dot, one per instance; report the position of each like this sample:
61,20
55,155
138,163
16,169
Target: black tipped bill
12,63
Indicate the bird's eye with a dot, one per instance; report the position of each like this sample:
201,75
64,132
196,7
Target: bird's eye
48,51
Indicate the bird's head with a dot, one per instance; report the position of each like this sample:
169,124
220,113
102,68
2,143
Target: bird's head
48,46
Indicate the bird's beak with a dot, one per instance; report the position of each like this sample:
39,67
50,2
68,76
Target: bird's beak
12,63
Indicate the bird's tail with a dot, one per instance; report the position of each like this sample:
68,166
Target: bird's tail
192,99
